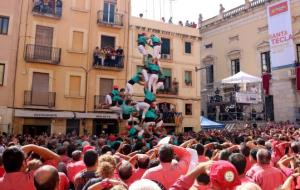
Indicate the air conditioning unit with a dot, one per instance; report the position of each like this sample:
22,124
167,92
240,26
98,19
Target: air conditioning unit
292,73
165,56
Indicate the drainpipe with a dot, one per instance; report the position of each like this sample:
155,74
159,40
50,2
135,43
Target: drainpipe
16,60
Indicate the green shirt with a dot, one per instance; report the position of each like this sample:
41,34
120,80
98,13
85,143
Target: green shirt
155,39
151,114
136,78
142,40
149,96
115,92
153,67
126,109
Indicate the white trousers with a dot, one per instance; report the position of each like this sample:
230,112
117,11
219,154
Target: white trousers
156,51
142,50
152,83
160,86
142,106
129,89
145,75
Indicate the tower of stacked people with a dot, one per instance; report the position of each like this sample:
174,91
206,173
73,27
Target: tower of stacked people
141,116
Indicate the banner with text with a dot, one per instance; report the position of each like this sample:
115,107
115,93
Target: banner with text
281,34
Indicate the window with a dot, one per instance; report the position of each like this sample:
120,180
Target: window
2,69
188,109
188,78
109,12
298,52
4,21
266,62
106,86
165,47
168,75
207,46
235,66
107,42
77,43
74,89
188,47
209,74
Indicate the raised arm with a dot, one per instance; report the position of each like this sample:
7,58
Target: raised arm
43,152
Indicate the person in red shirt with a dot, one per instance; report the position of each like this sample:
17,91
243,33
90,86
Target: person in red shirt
15,166
2,171
223,176
201,153
167,171
239,161
75,166
269,177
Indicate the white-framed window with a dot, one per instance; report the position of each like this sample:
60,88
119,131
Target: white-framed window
2,71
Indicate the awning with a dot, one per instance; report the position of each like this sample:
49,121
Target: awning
43,114
241,78
79,115
208,124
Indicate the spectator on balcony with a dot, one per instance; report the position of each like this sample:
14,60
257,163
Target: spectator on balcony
180,23
97,56
175,85
119,56
163,19
170,20
58,11
37,5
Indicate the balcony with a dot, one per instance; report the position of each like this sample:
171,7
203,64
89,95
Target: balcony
42,54
109,62
167,56
44,99
52,9
169,118
168,91
99,101
110,19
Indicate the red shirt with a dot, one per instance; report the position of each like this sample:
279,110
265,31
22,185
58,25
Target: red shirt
202,159
136,175
168,173
254,169
269,178
74,168
2,171
63,182
248,164
17,181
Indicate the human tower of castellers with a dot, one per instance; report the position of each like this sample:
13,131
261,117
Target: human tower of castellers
141,117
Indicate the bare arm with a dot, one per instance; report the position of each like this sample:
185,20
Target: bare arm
43,152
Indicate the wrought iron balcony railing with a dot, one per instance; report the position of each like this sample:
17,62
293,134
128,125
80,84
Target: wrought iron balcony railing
42,54
46,99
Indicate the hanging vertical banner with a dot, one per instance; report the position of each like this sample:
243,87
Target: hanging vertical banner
281,34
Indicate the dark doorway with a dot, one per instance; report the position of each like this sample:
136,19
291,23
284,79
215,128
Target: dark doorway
105,126
40,89
269,108
73,126
188,129
35,130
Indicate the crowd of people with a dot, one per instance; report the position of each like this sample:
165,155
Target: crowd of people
109,57
48,7
266,157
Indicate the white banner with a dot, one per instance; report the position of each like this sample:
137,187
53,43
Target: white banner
247,98
281,34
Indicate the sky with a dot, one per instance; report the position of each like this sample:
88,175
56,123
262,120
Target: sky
181,9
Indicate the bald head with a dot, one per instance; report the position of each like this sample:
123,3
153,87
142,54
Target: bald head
263,156
143,161
125,170
46,178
